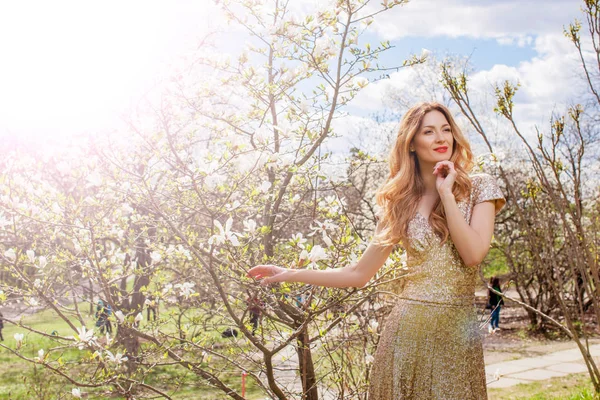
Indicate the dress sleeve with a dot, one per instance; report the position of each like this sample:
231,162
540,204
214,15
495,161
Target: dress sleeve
486,188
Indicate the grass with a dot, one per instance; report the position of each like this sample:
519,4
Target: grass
20,379
570,387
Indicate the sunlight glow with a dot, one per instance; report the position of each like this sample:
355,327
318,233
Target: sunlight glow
71,67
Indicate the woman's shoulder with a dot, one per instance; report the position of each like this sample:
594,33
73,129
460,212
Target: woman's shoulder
481,180
480,176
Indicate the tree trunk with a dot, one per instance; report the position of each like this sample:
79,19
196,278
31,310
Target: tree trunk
307,368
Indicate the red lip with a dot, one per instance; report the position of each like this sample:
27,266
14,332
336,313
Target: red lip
441,149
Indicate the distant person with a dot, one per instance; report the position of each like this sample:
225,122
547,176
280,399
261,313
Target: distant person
1,327
103,311
152,308
495,302
255,307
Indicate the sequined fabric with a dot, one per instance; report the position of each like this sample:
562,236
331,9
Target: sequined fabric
431,347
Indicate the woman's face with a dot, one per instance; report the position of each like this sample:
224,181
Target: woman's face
433,142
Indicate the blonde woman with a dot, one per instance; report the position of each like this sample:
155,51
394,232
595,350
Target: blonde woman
431,347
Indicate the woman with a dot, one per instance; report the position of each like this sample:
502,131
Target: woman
495,301
431,347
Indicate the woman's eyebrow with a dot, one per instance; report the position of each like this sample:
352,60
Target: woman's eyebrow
432,126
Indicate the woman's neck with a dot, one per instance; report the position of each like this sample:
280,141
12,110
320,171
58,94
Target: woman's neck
428,179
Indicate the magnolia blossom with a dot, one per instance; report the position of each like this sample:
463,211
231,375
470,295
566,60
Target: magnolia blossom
360,81
120,316
373,324
94,179
116,358
250,226
40,356
31,256
231,207
322,227
84,337
369,358
32,301
298,239
266,185
167,288
185,289
42,262
19,339
37,283
10,254
317,253
76,392
155,256
403,259
225,234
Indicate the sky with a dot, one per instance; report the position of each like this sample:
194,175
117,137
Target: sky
73,67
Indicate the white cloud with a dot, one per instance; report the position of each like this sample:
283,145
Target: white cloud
509,21
549,82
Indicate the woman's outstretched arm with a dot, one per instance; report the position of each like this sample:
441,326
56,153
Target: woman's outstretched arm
355,275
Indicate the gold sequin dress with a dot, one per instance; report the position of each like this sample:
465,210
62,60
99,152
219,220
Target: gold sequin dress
431,346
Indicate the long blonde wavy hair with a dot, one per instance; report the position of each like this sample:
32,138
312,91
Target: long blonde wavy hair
399,196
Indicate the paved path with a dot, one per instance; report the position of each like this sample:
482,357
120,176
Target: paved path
530,369
499,375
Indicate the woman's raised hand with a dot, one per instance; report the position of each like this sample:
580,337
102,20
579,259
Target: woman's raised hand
269,273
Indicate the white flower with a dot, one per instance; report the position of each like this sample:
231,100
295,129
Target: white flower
19,338
403,259
31,256
84,337
10,254
317,253
360,81
225,234
303,255
116,358
369,359
266,185
322,227
32,301
37,283
231,207
120,316
126,209
250,226
42,262
298,239
373,324
167,288
155,256
185,289
76,392
40,356
139,318
94,179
